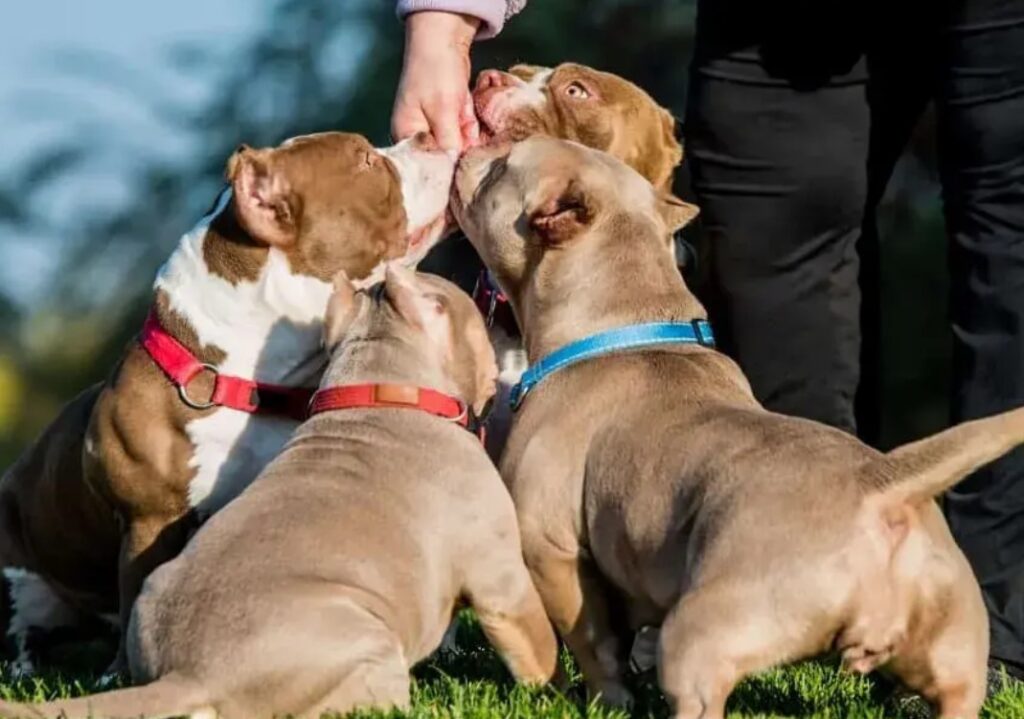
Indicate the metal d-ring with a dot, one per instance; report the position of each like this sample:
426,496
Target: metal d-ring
462,415
183,390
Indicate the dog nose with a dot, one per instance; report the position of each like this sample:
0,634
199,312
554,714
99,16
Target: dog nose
493,78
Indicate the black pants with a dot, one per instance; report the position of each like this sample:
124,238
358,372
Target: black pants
797,114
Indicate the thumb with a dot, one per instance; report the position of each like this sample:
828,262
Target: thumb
446,131
444,122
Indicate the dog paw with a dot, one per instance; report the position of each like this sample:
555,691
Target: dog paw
22,668
867,646
109,680
449,643
644,654
117,669
615,696
864,660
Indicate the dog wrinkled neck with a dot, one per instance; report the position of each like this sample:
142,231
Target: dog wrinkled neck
383,349
641,281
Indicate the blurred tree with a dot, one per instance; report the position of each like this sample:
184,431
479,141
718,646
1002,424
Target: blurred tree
317,64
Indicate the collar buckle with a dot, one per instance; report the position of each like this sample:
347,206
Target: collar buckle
702,331
396,394
365,396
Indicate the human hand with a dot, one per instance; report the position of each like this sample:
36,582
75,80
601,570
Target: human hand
433,93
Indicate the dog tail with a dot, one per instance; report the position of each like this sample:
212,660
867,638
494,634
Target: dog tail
920,471
169,696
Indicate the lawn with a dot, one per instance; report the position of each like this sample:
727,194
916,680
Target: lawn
471,683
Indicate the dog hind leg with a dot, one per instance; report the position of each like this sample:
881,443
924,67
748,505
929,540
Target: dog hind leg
381,683
950,671
575,599
710,640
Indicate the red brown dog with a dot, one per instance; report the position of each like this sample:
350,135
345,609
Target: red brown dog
576,102
570,102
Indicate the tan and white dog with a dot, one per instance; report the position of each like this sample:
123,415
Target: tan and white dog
113,488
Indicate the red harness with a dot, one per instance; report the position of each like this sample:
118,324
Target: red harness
245,395
358,396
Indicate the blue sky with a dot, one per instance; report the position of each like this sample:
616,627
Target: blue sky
49,50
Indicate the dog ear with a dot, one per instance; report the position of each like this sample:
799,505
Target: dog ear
341,311
562,216
676,213
486,363
671,152
264,203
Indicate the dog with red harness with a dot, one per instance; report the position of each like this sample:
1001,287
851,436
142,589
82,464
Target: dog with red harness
220,375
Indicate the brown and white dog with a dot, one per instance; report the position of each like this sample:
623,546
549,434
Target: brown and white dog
570,102
320,587
115,485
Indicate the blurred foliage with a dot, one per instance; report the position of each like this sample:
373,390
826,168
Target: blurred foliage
284,82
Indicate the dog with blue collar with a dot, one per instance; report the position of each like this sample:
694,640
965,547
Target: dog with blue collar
653,489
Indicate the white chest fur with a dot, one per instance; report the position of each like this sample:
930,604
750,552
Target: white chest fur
270,330
512,362
511,356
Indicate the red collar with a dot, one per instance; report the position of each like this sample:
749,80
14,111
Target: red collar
494,305
403,396
245,395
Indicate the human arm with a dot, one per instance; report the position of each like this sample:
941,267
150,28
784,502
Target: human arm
433,92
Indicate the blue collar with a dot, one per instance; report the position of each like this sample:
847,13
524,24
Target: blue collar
604,343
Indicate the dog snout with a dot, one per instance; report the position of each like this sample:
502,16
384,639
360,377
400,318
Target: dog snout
494,78
474,166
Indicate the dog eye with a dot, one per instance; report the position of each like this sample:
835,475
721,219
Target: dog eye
576,91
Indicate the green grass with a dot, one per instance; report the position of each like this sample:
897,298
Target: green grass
471,683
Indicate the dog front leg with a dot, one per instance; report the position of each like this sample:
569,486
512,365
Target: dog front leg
148,543
574,596
512,616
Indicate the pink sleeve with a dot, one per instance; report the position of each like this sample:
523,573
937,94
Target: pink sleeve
492,13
